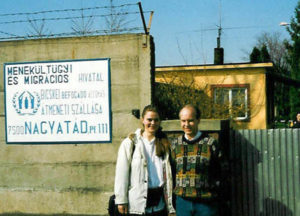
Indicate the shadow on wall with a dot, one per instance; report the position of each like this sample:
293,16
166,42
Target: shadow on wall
271,208
244,158
250,178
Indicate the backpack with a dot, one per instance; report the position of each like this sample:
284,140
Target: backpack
112,210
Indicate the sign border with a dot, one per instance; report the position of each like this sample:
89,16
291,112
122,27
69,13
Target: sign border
64,142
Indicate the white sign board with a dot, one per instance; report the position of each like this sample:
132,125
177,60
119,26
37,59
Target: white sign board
58,101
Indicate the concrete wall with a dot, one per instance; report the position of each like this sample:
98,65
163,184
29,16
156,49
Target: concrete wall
71,178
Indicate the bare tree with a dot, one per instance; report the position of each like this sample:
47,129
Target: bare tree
193,50
84,25
117,19
275,46
181,53
38,28
278,55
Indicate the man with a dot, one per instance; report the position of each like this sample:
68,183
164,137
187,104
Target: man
198,169
297,122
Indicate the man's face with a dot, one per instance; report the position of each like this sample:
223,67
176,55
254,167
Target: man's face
188,121
298,117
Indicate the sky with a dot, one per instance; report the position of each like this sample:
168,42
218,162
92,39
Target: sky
184,32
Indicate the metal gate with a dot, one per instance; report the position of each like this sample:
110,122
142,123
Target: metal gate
265,172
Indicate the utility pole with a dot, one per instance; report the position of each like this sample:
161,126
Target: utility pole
143,18
219,37
219,51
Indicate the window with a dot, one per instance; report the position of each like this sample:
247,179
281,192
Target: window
231,101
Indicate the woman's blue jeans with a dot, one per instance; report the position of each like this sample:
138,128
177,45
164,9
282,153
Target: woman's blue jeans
188,208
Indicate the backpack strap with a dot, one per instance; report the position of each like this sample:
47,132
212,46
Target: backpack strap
132,137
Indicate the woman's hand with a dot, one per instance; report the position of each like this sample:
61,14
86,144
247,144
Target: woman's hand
123,208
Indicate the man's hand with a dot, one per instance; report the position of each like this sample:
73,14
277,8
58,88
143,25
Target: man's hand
123,208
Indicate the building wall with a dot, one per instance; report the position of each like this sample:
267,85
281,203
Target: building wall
74,178
204,78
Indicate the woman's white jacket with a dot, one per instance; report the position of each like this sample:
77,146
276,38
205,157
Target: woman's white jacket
131,179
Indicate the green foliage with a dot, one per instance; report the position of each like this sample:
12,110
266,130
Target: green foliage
170,98
255,55
281,101
260,55
264,54
294,60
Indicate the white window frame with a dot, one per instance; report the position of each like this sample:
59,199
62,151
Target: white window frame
230,88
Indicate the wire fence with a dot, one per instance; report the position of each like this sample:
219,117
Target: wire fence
98,20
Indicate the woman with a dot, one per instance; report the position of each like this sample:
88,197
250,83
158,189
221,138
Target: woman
143,181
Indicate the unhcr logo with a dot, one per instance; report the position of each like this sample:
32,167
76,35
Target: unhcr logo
26,103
